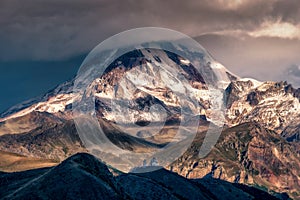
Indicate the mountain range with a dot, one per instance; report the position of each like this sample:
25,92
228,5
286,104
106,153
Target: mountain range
258,147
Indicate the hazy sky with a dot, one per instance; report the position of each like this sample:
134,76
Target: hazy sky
42,40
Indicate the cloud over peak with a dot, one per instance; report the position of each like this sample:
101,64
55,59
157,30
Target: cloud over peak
250,37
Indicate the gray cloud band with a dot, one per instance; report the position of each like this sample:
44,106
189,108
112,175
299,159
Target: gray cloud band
44,30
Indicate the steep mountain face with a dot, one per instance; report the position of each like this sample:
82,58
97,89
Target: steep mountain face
84,177
276,106
140,78
249,154
259,145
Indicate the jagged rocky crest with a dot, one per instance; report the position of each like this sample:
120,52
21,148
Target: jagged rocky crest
82,176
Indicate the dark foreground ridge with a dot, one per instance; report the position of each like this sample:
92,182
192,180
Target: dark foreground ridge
83,176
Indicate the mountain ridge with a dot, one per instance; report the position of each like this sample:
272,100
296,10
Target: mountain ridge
84,176
254,147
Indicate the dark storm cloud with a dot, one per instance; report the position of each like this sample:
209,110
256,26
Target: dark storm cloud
56,29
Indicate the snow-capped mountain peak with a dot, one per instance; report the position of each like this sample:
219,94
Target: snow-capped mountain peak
152,72
151,76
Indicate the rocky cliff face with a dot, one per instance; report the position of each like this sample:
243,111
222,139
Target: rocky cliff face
276,106
249,154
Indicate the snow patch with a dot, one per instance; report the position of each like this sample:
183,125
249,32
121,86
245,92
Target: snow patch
256,83
185,62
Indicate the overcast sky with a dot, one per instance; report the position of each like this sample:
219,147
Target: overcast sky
259,39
